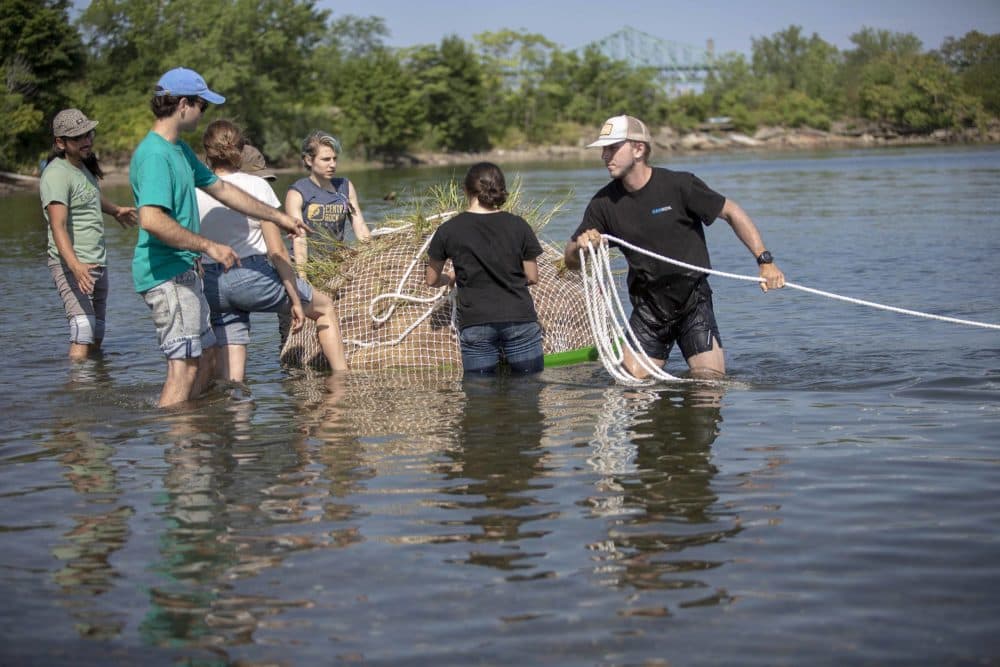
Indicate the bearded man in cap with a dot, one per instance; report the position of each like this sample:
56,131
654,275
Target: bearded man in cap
72,203
664,212
164,173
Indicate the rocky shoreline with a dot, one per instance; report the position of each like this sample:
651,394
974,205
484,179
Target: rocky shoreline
706,140
667,140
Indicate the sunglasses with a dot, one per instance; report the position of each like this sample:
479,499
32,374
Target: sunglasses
81,137
197,101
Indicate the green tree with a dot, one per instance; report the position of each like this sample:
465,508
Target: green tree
357,37
732,90
976,59
380,112
788,63
345,45
451,81
870,45
42,59
255,52
513,66
914,93
589,87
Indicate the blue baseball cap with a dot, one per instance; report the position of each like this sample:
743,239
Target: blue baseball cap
181,82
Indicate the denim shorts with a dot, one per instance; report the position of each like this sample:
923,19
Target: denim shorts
85,312
252,287
180,314
519,344
692,329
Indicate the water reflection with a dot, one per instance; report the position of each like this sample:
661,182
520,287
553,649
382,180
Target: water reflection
325,438
100,528
652,449
495,468
229,490
88,373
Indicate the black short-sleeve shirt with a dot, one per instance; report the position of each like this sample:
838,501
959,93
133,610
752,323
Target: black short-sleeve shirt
488,251
667,216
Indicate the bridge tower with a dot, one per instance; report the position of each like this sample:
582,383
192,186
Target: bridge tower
680,66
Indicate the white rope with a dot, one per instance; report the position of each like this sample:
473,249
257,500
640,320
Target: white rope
398,296
613,336
831,295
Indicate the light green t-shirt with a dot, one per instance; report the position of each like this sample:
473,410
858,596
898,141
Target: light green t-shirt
77,190
165,174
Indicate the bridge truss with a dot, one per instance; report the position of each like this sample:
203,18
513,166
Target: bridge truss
679,65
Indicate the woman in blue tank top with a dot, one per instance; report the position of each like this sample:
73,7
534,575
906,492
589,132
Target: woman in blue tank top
322,201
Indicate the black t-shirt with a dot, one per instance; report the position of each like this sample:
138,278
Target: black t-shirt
487,250
667,216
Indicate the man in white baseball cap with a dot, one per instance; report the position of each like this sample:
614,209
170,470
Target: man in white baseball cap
621,128
664,212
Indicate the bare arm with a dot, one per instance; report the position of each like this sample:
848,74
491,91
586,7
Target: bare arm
357,219
293,207
155,221
248,205
435,275
58,219
571,255
278,255
530,271
746,231
127,216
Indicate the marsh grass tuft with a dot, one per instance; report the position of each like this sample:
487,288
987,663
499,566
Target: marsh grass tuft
420,215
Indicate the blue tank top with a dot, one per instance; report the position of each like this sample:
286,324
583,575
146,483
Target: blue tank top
322,209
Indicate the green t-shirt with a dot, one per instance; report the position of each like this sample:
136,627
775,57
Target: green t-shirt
165,174
77,190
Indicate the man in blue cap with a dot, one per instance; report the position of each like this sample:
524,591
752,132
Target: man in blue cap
164,173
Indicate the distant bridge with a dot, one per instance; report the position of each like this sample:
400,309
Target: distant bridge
678,64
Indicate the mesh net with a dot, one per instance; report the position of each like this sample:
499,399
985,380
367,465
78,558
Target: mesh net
385,277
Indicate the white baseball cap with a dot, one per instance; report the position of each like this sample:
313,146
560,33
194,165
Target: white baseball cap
621,128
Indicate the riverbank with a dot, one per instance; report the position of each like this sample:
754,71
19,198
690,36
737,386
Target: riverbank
707,139
666,141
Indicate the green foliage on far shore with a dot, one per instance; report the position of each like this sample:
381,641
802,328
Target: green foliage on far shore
286,67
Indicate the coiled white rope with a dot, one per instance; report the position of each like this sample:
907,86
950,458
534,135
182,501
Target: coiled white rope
613,336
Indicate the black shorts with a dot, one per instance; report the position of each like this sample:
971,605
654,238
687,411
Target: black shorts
692,329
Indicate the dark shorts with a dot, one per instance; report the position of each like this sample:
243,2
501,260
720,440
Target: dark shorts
692,329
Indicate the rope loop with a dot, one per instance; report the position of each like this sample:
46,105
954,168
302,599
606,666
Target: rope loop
614,337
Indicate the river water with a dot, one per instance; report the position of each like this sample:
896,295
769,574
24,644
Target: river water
836,502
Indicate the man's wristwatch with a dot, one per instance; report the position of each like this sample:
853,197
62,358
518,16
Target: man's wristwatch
765,258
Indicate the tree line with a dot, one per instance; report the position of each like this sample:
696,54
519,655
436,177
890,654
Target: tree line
286,66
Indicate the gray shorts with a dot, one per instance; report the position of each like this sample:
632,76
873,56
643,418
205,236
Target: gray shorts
85,312
180,314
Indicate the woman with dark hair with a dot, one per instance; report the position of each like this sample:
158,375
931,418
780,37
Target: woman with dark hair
263,281
72,203
493,253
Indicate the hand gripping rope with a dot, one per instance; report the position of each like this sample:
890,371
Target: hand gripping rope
613,335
